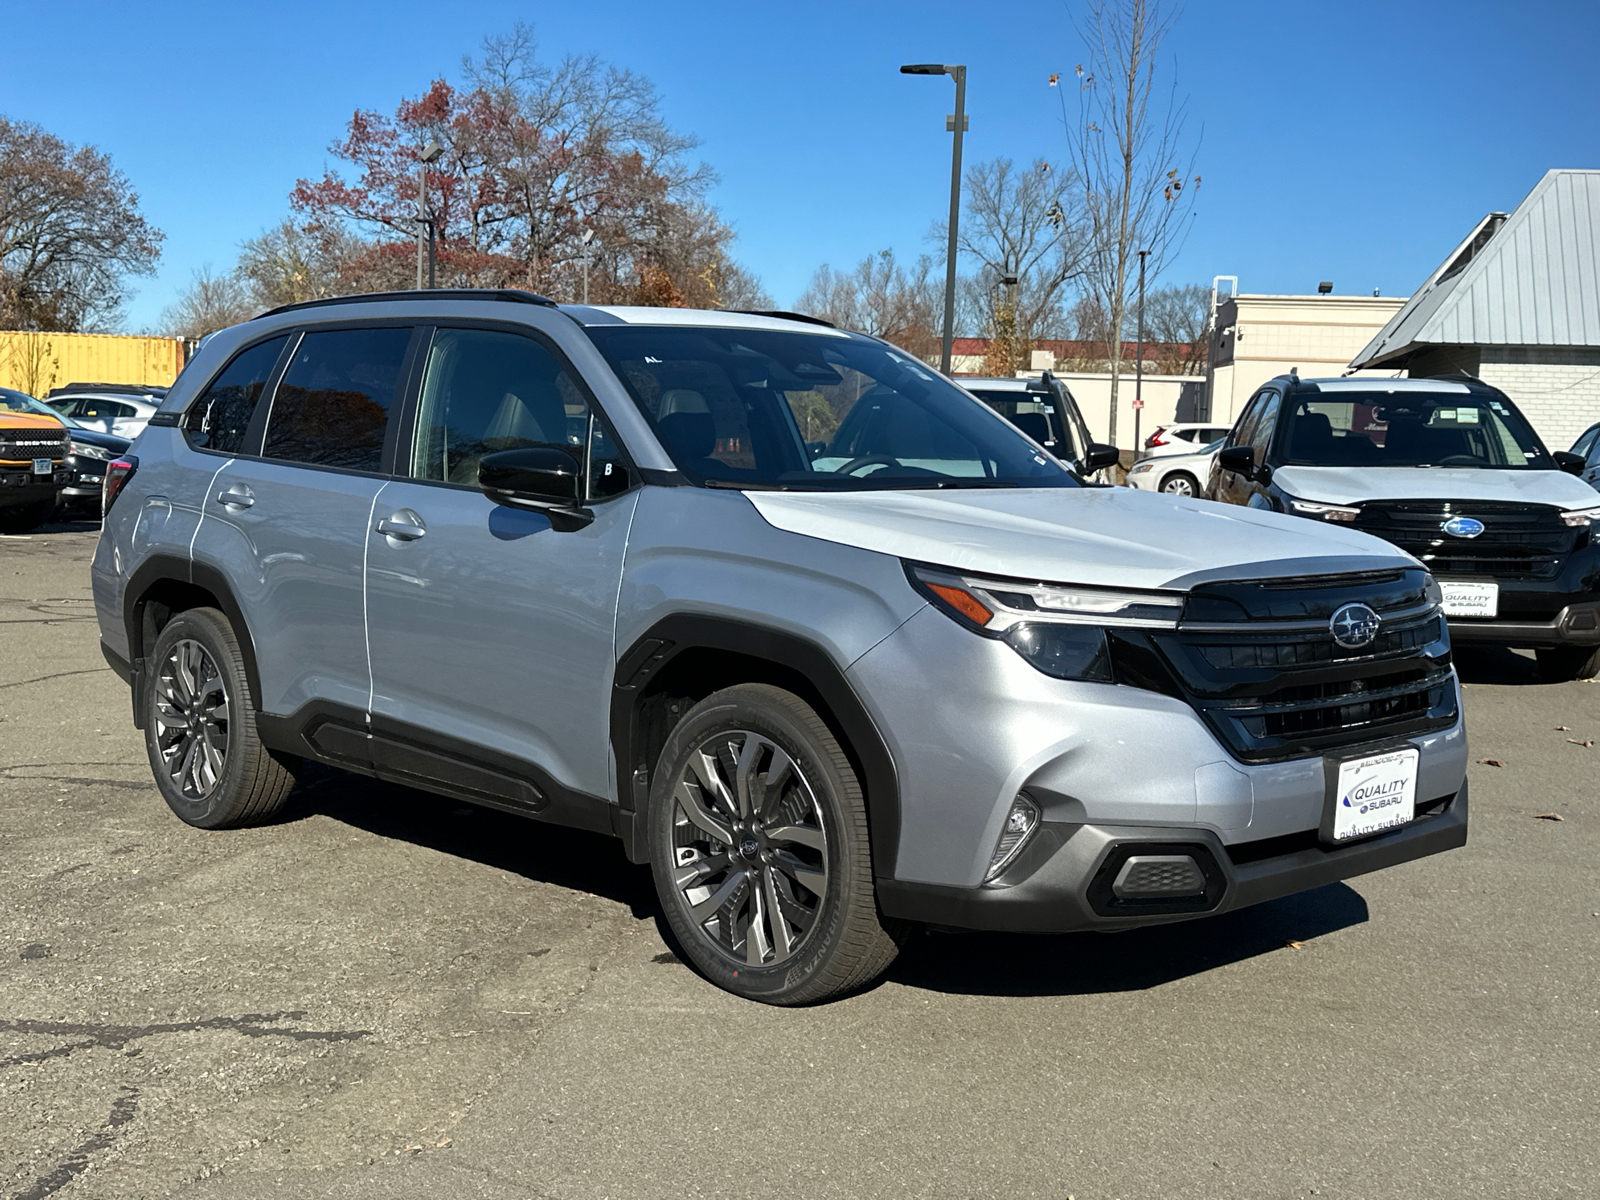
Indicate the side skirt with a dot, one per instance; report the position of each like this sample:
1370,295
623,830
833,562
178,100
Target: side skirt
399,753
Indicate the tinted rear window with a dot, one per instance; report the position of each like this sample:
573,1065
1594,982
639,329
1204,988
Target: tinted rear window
332,408
218,420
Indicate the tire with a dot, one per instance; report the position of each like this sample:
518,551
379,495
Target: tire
794,865
200,734
1181,483
1562,664
28,516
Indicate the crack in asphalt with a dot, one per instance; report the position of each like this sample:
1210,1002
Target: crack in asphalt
77,1162
115,1037
57,675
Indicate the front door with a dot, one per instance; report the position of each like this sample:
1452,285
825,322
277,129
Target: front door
491,630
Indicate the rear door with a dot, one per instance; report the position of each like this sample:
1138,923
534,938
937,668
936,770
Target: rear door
492,630
285,522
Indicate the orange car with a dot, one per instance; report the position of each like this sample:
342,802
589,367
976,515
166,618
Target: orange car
33,452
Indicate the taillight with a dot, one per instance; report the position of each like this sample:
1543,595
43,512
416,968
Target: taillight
1156,439
118,472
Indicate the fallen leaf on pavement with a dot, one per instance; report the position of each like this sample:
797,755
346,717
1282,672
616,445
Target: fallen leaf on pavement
1581,741
1562,728
1492,762
1549,817
1294,945
442,1143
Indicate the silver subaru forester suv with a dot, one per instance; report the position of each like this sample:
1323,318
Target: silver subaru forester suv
831,646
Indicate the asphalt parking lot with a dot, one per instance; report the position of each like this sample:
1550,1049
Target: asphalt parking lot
390,994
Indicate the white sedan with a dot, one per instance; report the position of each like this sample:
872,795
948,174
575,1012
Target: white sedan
1176,474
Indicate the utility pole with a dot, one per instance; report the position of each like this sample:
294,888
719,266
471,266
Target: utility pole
1138,362
590,245
957,125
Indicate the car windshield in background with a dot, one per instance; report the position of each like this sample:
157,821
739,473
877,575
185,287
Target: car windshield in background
773,409
1409,429
1032,412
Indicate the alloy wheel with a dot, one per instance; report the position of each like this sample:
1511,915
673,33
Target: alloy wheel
750,849
191,715
1178,485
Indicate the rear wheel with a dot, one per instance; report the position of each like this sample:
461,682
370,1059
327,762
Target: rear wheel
200,733
760,853
1180,483
1561,664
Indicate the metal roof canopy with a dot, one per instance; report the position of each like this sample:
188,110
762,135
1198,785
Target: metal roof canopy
1530,279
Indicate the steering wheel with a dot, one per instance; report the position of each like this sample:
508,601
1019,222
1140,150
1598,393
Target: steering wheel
1459,460
867,460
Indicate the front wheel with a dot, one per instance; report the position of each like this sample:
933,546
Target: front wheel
1181,483
760,852
1562,664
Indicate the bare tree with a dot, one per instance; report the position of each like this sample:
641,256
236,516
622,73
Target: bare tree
1176,320
289,264
70,233
210,302
880,297
1024,223
28,361
1139,185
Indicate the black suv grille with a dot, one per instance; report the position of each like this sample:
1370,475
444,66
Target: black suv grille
16,445
1258,661
1519,541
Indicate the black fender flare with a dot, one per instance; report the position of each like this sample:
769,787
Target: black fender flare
160,568
669,637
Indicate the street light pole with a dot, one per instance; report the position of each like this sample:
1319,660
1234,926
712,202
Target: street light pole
427,155
1138,362
957,124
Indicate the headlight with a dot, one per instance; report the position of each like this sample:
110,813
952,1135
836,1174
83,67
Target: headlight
1060,629
1141,468
1324,512
1434,592
84,450
1582,516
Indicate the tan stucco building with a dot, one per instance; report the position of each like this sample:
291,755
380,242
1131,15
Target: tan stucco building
1255,338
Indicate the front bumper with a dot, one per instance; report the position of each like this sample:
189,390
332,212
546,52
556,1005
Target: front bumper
25,484
1574,625
1060,883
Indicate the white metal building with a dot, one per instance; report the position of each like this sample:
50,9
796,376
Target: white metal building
1518,305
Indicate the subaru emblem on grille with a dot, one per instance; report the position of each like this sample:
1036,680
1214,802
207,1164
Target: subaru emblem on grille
1354,626
1463,527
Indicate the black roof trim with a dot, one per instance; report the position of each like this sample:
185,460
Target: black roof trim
782,315
513,295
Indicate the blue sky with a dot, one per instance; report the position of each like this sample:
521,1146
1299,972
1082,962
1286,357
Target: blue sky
1349,141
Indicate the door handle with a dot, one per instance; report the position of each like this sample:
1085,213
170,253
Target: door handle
404,526
236,497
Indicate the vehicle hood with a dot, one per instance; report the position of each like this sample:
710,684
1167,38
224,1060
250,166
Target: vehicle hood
1354,485
106,441
1112,537
30,422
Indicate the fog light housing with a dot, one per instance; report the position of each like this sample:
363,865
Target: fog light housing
1019,825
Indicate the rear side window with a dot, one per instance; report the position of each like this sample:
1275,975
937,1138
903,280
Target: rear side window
218,420
332,408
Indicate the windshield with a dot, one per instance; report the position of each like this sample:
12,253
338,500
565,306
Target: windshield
21,402
1409,429
768,409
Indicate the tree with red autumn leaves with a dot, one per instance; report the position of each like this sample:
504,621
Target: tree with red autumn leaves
534,155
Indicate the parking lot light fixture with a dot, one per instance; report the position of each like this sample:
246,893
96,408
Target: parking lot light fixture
958,126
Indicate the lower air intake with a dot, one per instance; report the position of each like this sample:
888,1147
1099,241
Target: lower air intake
1158,875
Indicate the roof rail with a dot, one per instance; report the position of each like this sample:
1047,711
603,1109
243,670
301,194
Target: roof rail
514,295
782,315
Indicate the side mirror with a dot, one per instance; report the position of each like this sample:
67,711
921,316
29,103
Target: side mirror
545,478
1239,459
1569,462
1100,456
816,449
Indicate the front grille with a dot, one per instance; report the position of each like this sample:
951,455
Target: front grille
14,448
1258,661
1519,541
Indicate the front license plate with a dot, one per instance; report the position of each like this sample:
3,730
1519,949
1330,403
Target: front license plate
41,466
1371,794
1470,599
